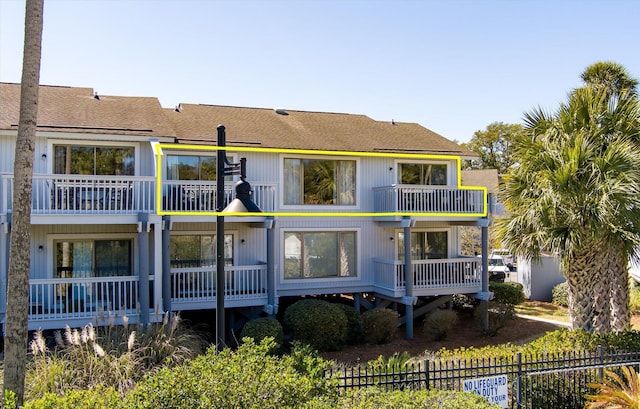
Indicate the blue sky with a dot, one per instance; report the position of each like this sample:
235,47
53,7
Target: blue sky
452,66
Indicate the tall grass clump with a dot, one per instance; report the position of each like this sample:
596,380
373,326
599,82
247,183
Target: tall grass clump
117,356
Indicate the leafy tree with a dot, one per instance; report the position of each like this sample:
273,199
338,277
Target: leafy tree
576,191
15,339
494,146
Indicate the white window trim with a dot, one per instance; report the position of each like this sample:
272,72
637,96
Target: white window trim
313,207
53,238
233,233
450,238
450,177
113,144
332,279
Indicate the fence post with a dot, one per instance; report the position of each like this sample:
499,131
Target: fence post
519,380
426,372
601,362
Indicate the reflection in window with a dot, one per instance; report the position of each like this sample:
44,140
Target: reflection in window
198,250
93,258
422,174
425,245
319,182
93,160
182,167
319,254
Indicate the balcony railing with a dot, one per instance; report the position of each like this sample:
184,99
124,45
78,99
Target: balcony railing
85,194
200,196
440,274
428,199
94,297
197,284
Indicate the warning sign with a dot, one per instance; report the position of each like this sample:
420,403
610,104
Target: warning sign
494,388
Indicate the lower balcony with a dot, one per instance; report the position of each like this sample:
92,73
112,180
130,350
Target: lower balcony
195,287
56,302
430,277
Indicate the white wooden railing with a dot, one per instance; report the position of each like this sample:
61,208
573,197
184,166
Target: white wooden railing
199,283
200,196
428,199
64,298
85,194
448,273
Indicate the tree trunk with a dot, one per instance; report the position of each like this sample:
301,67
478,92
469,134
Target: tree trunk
15,339
620,292
589,306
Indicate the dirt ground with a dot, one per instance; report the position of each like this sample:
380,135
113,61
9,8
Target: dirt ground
465,334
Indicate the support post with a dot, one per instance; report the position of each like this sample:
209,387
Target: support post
5,241
271,275
166,264
143,251
408,278
484,303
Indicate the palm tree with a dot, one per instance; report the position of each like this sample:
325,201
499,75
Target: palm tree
15,339
575,191
612,76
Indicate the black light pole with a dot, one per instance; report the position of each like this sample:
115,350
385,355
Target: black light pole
241,204
221,159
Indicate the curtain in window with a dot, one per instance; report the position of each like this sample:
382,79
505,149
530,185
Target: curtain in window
346,182
292,181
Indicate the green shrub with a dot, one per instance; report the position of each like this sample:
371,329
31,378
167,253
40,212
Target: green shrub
438,324
261,328
498,316
354,324
376,398
318,323
507,293
560,294
99,397
462,301
246,378
379,326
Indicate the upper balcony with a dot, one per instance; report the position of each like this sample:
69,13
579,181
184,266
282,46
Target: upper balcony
430,200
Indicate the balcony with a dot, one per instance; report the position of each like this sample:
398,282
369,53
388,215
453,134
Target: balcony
430,200
84,194
430,277
56,302
195,287
200,196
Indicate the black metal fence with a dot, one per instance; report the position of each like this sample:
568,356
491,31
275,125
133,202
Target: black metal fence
557,381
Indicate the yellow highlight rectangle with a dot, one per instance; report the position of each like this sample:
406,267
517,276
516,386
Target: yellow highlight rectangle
158,151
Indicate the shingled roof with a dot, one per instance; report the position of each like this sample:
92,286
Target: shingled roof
76,110
268,128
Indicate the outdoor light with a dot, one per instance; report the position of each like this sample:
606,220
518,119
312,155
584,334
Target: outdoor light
241,204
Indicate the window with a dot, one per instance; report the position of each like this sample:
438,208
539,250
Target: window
93,258
198,250
319,254
181,167
422,174
93,160
319,182
425,245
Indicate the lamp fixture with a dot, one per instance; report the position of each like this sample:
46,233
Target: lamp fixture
40,248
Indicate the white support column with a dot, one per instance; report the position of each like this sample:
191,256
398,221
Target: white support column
157,267
5,240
